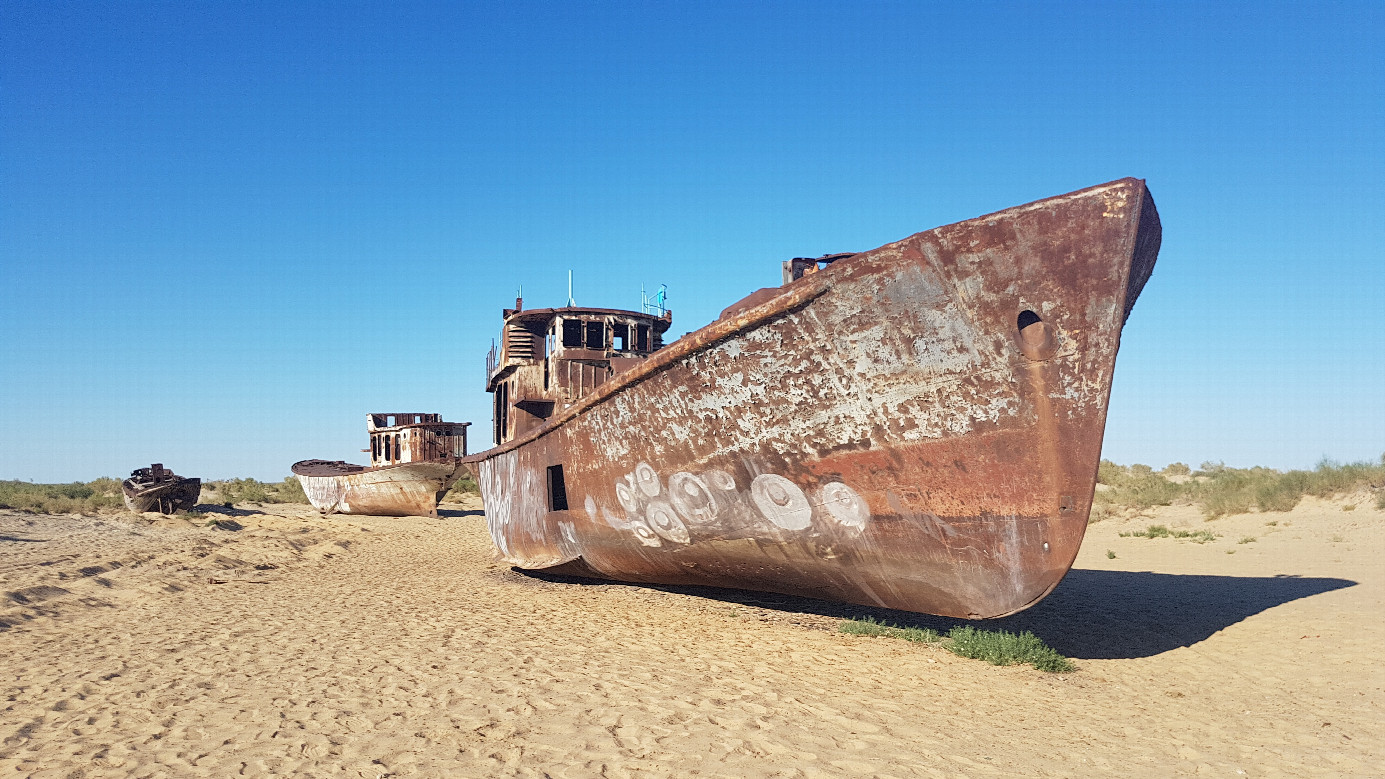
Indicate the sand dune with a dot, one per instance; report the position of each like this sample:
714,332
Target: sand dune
391,647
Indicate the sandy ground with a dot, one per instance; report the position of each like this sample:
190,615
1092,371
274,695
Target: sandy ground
391,647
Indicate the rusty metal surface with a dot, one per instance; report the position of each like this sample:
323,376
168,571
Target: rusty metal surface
917,426
157,488
415,458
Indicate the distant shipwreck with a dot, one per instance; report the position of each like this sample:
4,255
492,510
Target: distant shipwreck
414,459
156,488
915,427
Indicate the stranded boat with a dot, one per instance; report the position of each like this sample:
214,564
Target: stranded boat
916,427
414,459
156,488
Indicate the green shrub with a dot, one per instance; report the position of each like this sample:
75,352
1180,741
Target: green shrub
1161,531
232,491
1000,647
466,485
74,498
290,490
1138,487
869,627
1108,472
997,647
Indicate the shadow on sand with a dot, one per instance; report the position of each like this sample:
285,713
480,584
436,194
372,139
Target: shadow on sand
225,511
461,514
1091,615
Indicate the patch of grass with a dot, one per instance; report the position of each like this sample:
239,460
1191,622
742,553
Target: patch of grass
1349,507
75,498
869,627
1000,647
1246,540
1380,500
1162,531
1110,555
997,647
1337,539
1177,469
1272,523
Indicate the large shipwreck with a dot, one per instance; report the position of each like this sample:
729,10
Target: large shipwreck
916,427
414,459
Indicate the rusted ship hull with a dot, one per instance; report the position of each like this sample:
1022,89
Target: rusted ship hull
166,498
406,489
916,427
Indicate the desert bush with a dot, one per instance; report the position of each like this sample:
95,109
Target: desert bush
1209,468
290,490
463,486
869,627
1177,469
232,491
1109,473
1138,487
997,647
1000,647
1162,531
74,498
1222,491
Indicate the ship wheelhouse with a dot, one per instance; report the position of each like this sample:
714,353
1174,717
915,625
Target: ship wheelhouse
413,437
549,358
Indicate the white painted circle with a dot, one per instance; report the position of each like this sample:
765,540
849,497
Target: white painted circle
647,479
720,480
666,523
781,501
628,499
691,498
644,533
844,505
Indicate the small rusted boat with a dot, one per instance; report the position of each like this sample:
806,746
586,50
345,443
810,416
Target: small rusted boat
414,459
916,427
156,488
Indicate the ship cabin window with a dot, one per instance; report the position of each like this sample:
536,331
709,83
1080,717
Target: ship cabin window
642,338
620,337
396,447
557,490
596,335
572,334
375,447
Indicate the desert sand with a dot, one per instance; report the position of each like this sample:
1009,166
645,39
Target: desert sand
367,646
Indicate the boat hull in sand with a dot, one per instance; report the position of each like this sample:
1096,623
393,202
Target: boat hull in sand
916,427
405,489
166,498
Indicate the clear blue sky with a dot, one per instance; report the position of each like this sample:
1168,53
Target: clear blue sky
229,231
